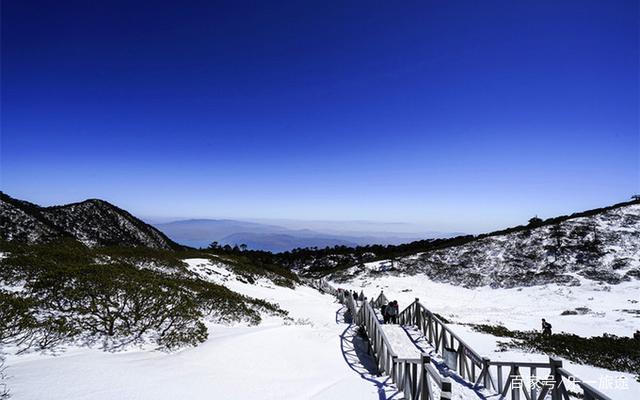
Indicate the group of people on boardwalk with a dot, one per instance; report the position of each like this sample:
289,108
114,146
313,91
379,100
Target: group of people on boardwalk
390,312
354,294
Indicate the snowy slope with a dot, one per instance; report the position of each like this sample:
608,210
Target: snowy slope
304,357
604,247
522,309
299,358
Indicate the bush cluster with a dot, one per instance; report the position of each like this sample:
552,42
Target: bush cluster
65,292
608,351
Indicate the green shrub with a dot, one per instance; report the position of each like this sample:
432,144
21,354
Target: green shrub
607,351
111,296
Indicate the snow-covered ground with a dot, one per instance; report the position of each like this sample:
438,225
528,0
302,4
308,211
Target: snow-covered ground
314,355
277,359
522,309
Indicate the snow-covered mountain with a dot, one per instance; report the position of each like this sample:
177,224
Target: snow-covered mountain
92,222
602,246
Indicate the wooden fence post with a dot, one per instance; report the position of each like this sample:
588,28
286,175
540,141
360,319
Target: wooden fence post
425,385
515,388
557,378
485,370
445,393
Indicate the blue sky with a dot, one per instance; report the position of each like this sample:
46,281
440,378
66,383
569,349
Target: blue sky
461,115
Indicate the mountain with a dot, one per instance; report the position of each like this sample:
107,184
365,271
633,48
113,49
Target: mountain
201,232
603,247
277,238
600,245
92,222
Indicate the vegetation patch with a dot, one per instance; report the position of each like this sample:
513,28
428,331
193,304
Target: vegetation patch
249,264
608,351
65,292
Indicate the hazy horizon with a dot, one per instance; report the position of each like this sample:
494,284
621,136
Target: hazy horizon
335,225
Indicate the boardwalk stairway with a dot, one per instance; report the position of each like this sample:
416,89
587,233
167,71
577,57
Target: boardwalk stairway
419,377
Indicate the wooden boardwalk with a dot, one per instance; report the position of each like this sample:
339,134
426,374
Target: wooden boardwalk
417,378
401,342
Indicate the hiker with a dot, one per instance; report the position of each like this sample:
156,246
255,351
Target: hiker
392,310
355,295
385,315
636,335
546,328
397,307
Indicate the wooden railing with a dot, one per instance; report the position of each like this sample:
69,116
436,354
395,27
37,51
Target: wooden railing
413,377
470,365
590,393
487,374
534,386
535,381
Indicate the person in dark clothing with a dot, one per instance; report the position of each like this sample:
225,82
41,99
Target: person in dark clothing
636,335
546,328
397,311
355,295
385,315
392,310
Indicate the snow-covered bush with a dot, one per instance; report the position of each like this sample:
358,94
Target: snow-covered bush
71,293
607,351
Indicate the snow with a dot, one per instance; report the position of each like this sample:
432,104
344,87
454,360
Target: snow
270,361
400,343
602,247
299,359
522,309
314,354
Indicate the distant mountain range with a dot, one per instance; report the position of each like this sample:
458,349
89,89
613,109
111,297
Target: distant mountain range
92,222
276,238
98,223
601,244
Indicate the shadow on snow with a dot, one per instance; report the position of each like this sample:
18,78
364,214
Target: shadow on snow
355,351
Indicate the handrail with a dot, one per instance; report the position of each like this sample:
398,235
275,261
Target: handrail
453,334
589,391
404,372
411,375
384,335
436,332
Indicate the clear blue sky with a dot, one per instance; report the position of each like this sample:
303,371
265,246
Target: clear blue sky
463,115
